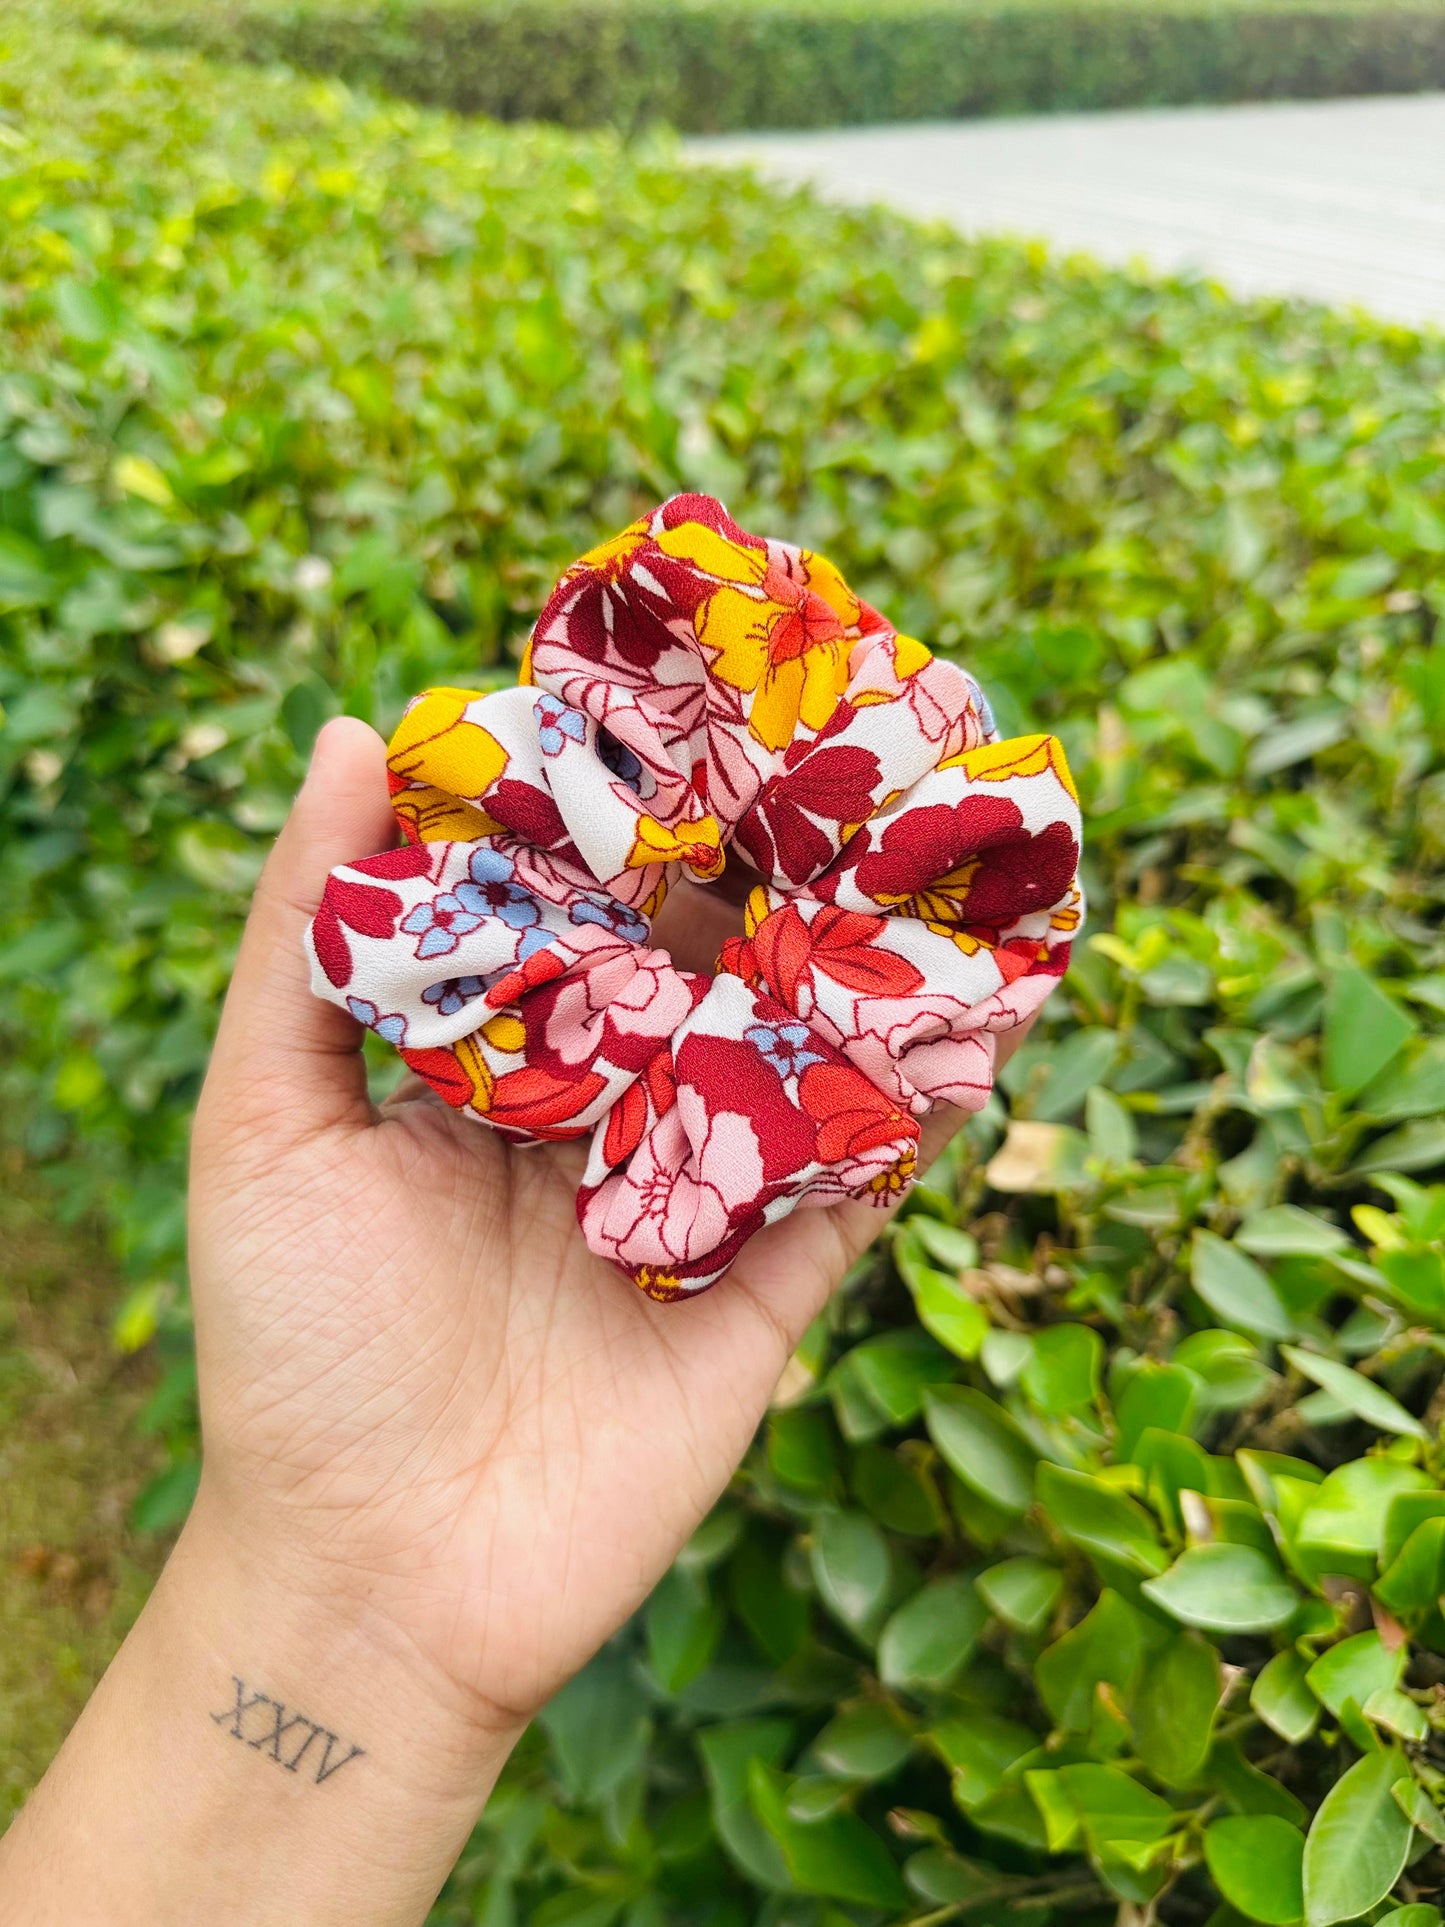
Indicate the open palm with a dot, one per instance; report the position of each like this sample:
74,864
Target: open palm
415,1376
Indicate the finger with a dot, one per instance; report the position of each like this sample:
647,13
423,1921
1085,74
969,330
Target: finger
284,1058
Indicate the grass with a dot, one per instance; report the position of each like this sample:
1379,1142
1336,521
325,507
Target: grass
72,1576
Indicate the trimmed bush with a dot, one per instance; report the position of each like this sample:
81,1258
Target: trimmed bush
788,63
1092,1554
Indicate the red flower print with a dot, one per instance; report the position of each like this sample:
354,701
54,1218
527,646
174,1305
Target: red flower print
360,907
841,944
529,813
640,1105
829,780
458,1073
730,1075
409,861
853,1116
1023,873
970,862
537,1104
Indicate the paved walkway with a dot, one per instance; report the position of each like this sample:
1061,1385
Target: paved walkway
1343,201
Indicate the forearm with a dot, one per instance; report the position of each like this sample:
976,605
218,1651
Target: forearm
257,1752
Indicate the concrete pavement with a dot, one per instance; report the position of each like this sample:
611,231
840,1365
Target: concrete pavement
1342,201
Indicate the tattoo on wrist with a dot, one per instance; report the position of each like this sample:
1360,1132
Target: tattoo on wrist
292,1740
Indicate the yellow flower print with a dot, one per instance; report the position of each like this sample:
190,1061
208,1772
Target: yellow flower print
438,817
897,1178
436,746
782,631
609,559
697,844
1017,756
473,1067
664,1286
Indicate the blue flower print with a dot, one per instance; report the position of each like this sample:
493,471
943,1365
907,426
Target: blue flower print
784,1047
392,1027
620,760
453,994
532,941
442,923
610,915
557,724
494,891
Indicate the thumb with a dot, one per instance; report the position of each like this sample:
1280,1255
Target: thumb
285,1063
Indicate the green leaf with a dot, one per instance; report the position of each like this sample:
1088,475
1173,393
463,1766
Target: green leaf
683,1626
1414,1147
1113,1138
1257,1863
1284,1231
928,1640
894,1487
1104,1648
958,1322
1228,1366
25,582
851,1569
1420,1810
1415,1579
1357,1394
1407,1505
1158,1397
1418,1914
1022,1591
802,1450
982,1445
945,1243
1357,1843
1341,1525
1068,1071
1282,1698
979,1748
1353,1670
1364,1029
1062,1373
897,1368
1116,1813
1100,1518
728,1752
839,1856
1247,1789
1225,1589
163,1503
865,1743
1237,1290
599,1727
1413,1086
1172,1708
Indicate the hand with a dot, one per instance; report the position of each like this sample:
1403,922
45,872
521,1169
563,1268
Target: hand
416,1380
447,1452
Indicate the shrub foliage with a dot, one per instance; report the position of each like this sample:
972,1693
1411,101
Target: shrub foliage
712,66
1091,1557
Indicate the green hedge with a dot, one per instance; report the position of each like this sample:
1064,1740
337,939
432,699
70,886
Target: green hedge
1093,1552
789,63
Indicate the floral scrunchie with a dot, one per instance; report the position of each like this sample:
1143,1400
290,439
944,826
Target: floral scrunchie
689,689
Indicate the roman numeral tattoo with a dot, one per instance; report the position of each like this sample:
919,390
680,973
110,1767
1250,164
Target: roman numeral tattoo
266,1732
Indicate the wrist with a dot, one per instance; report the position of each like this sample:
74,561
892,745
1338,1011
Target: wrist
287,1755
321,1639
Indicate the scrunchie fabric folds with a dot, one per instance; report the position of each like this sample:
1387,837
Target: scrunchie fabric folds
691,689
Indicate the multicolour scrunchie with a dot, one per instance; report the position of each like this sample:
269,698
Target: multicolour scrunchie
690,688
